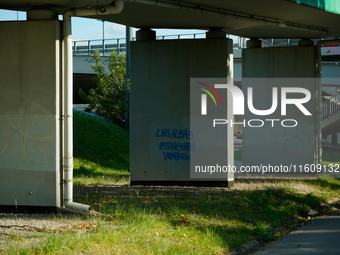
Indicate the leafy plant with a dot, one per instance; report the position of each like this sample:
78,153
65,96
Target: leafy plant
108,99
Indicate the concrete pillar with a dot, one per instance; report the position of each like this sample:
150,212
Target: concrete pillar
306,42
275,143
161,138
36,14
29,115
335,139
145,34
215,33
254,43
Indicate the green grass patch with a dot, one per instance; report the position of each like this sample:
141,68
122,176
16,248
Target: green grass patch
330,158
101,152
238,155
188,220
171,220
329,143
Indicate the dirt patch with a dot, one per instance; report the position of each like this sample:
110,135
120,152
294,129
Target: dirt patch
26,229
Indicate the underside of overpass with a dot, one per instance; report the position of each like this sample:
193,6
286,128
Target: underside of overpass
36,108
247,18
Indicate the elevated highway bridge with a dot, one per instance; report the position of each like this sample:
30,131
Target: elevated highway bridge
36,135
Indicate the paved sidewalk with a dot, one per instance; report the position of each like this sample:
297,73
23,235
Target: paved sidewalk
322,236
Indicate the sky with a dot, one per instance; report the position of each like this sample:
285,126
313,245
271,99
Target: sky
91,29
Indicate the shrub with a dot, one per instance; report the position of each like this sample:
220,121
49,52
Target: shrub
108,99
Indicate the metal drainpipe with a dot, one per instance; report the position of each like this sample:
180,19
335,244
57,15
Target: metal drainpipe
319,106
68,96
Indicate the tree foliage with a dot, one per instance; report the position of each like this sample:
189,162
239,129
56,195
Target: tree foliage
108,99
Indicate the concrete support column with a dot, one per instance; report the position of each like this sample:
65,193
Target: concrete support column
30,117
306,42
268,73
215,33
145,34
335,139
42,14
254,43
161,142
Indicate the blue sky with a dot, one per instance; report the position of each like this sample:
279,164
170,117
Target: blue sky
89,29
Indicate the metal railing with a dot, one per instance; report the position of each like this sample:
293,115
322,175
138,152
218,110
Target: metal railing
105,47
330,105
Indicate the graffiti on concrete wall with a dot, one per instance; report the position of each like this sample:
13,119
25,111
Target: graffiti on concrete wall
297,136
175,150
21,125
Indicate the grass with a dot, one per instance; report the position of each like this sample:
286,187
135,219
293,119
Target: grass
329,143
238,155
330,159
327,158
187,220
172,220
101,152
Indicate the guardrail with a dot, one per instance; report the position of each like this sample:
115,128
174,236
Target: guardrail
87,47
330,105
106,46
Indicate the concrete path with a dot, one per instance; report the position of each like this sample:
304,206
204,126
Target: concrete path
322,236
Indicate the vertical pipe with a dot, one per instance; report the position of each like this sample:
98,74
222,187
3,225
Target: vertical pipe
68,104
67,110
127,106
62,114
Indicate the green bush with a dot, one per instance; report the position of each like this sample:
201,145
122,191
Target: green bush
108,99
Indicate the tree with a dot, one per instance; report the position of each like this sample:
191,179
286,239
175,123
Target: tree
108,99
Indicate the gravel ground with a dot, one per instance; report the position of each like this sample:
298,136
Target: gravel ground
26,229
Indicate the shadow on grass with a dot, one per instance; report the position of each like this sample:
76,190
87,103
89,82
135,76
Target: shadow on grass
235,216
102,143
327,183
95,173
